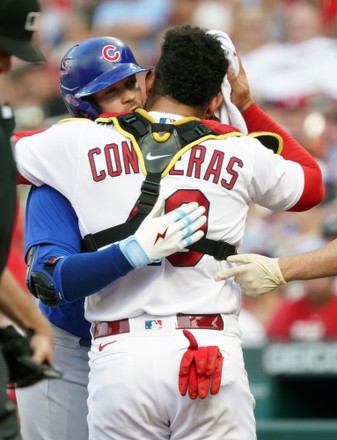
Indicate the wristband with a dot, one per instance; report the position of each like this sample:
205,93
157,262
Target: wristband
134,252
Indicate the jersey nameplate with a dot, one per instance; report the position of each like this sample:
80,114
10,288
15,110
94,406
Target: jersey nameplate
158,147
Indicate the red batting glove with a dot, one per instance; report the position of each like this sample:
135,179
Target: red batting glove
200,369
188,368
208,362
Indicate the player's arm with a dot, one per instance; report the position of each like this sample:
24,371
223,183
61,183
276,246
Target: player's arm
257,274
313,191
257,120
319,263
55,273
51,232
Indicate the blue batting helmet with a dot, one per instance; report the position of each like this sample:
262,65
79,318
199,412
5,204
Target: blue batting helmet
91,66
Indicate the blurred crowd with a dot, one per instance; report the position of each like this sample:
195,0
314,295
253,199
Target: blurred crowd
289,51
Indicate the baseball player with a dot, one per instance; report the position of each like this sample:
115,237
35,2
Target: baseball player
64,404
63,407
134,365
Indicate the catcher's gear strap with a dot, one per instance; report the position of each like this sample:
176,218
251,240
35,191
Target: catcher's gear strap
166,142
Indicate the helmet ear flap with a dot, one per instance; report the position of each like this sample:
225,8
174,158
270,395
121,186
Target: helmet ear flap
95,110
79,107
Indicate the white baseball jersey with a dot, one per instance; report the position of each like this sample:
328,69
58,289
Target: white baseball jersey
96,168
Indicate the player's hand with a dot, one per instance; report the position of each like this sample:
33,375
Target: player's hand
200,369
240,92
256,276
43,349
162,235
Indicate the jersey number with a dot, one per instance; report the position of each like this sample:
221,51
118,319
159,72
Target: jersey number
187,257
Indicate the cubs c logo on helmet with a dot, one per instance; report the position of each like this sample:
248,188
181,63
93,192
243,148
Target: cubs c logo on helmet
110,54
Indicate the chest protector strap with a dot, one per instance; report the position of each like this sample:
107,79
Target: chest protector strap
158,147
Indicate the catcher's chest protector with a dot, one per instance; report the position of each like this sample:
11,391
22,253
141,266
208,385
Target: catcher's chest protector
165,143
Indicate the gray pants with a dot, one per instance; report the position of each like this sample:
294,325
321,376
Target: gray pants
57,409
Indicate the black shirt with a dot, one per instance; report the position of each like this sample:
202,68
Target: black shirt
8,175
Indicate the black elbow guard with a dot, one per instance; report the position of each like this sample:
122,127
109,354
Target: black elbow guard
40,283
44,289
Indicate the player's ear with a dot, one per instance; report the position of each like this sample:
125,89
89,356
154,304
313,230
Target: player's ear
149,82
214,105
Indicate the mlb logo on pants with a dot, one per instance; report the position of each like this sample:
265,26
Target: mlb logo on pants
153,324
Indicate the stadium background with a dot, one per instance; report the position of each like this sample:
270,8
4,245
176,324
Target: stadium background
289,51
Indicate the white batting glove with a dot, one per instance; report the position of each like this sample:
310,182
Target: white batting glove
257,276
161,235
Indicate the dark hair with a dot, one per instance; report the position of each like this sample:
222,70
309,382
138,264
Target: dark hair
191,67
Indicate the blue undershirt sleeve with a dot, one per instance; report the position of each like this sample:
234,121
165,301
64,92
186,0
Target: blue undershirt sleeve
79,275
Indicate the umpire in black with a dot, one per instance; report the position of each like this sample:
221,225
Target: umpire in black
18,20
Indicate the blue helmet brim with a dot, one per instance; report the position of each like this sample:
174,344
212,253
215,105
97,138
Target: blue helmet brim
117,73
